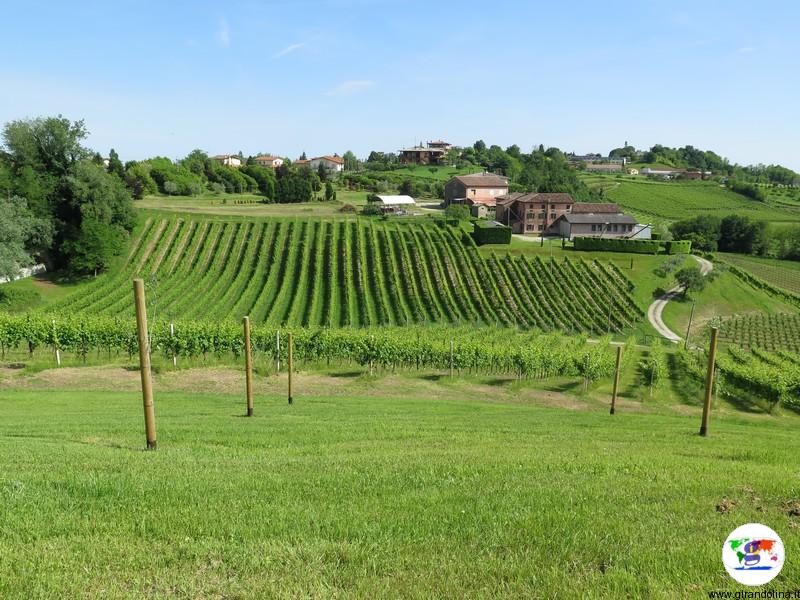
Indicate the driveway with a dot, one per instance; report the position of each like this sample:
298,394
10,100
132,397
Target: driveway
656,309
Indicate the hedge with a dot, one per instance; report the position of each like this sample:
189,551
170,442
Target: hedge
635,246
488,232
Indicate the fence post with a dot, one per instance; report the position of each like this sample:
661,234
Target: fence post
172,335
289,357
712,355
616,380
144,364
248,366
55,345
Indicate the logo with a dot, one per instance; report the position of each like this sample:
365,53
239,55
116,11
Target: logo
753,554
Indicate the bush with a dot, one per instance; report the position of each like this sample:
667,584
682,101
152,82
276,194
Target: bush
488,232
632,245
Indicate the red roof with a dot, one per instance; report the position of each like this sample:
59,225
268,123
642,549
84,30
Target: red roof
337,159
596,208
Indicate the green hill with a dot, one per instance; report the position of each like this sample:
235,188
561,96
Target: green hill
673,200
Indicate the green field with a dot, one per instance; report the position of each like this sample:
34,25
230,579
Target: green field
352,273
774,331
402,489
671,201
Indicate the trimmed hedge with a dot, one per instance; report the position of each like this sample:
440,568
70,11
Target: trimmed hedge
488,232
634,246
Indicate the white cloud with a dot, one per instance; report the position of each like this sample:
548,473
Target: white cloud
350,87
289,49
223,34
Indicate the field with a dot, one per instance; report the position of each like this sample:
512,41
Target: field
352,273
672,201
378,488
784,274
767,331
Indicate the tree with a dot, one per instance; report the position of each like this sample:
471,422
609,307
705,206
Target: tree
740,234
350,161
703,231
330,193
170,187
690,279
459,212
23,234
51,144
303,156
115,164
138,180
322,172
407,187
95,246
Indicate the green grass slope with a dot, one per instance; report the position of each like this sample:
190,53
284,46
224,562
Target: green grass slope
360,497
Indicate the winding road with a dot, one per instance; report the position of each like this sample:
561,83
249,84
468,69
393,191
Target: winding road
654,312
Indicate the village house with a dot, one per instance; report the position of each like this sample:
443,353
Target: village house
272,162
479,188
441,145
229,160
422,155
332,163
532,212
589,219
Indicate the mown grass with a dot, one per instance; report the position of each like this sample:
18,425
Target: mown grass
780,273
361,497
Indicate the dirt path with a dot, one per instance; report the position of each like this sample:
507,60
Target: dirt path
656,309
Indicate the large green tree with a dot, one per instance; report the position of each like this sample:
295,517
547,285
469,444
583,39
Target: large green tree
23,235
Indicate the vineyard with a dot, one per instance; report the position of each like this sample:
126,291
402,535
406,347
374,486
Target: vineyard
779,273
767,331
355,273
774,377
485,350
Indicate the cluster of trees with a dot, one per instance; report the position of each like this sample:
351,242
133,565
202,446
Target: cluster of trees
689,157
734,233
59,204
541,170
198,173
751,190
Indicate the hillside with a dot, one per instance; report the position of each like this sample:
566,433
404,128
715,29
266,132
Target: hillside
672,201
353,273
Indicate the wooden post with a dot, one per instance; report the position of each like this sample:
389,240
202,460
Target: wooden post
144,363
55,345
712,356
616,380
289,350
689,326
248,366
172,335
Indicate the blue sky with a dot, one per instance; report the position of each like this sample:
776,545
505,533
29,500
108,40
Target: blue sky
326,76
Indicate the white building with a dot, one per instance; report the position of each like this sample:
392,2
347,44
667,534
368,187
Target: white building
332,163
394,204
271,162
229,160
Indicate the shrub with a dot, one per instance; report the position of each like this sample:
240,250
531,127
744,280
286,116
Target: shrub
488,232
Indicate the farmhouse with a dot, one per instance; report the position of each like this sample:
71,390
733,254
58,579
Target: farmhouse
301,162
229,160
532,212
268,161
395,204
479,188
441,145
422,155
332,163
589,219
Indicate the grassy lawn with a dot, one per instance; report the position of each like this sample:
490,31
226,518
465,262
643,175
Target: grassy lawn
379,495
226,205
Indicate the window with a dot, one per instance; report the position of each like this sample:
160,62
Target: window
594,227
541,227
530,215
542,215
544,205
615,227
528,227
553,216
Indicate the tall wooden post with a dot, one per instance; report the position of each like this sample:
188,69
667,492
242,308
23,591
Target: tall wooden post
172,335
55,345
144,363
616,380
712,357
248,366
289,350
689,326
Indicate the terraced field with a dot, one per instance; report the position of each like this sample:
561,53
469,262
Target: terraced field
352,273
